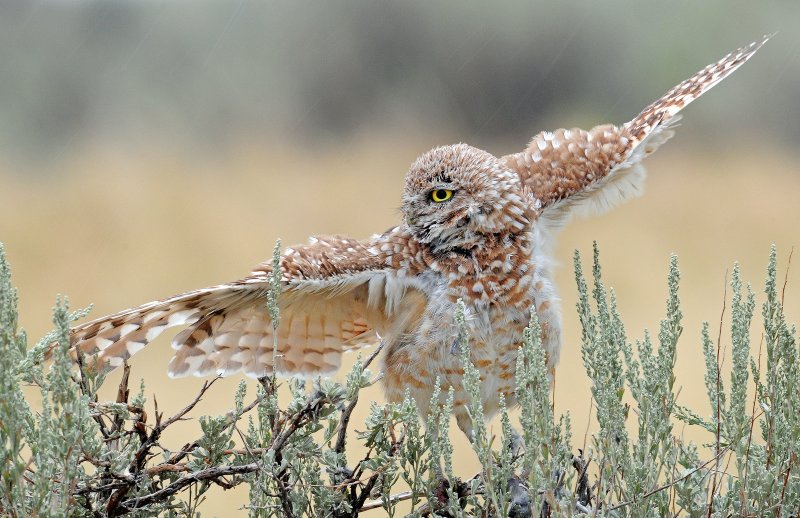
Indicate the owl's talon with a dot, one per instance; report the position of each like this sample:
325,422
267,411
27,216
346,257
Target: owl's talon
520,498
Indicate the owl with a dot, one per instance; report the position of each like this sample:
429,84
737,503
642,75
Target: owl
475,227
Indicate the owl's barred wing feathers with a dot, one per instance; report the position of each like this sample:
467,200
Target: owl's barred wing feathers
336,294
112,339
573,171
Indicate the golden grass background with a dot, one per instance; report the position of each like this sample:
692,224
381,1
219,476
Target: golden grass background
117,230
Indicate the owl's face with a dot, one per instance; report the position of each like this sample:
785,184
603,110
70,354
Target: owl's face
457,195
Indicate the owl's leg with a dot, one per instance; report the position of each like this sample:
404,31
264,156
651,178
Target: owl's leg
517,487
465,425
548,311
516,443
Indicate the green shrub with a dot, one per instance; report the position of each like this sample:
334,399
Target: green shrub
79,456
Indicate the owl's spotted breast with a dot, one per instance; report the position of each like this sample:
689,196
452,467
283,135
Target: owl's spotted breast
500,285
497,274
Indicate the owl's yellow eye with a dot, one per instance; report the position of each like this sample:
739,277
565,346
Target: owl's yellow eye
440,195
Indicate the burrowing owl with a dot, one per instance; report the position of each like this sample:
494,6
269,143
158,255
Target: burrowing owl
475,227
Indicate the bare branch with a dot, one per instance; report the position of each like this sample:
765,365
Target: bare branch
133,504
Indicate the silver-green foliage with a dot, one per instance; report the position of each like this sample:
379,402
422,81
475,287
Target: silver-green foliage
659,473
47,480
631,469
78,456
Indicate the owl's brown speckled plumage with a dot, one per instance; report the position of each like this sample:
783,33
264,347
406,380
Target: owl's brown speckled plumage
487,243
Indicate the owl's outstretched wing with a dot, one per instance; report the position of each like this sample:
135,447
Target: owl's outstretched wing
337,293
578,172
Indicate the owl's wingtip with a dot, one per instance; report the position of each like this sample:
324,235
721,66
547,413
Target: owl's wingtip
765,38
757,44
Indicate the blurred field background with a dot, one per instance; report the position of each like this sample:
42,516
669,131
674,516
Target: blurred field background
152,147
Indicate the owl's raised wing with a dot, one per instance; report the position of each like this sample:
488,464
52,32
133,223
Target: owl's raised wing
578,172
337,293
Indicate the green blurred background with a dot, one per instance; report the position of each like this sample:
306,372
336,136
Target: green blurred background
151,147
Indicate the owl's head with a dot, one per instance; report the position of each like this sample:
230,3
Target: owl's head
455,196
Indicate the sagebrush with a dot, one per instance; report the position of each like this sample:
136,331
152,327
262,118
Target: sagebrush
71,454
